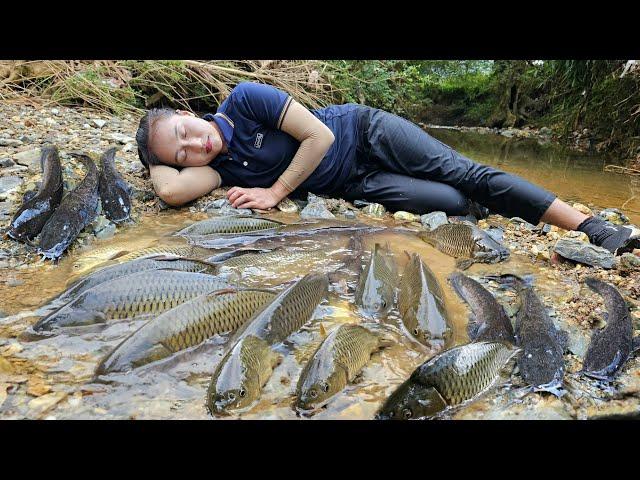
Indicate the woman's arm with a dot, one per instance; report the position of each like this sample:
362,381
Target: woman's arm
315,140
177,187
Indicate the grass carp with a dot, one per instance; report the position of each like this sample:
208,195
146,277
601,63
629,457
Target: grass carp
114,191
189,251
135,266
375,293
450,378
184,326
277,258
466,242
421,304
488,320
284,315
150,292
77,210
231,225
335,363
612,346
541,363
31,217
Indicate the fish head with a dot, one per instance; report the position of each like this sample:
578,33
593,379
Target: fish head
315,394
68,316
412,400
236,382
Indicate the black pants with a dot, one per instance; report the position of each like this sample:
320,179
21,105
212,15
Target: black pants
404,168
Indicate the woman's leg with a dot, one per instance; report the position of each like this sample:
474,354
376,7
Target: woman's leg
401,192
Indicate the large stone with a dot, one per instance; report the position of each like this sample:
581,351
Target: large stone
401,216
523,222
99,123
287,205
628,261
614,216
29,158
9,185
433,220
216,204
229,210
582,209
374,210
581,236
10,142
586,253
7,162
316,208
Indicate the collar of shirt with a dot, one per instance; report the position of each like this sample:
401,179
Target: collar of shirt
224,123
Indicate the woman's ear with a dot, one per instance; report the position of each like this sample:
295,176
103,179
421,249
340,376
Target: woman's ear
184,112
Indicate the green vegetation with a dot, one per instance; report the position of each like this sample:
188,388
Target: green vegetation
565,95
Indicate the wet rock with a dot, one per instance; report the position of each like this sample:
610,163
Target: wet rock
287,206
463,218
349,214
316,208
582,209
581,236
41,405
10,142
520,221
496,233
229,210
6,367
120,138
216,204
614,216
586,253
401,216
433,220
6,163
9,185
360,203
29,158
374,210
628,261
99,123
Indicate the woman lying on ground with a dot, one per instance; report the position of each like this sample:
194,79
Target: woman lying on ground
266,146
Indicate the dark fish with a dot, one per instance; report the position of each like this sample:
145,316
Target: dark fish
450,378
466,242
184,326
612,346
334,364
29,220
287,313
541,364
375,293
150,292
114,191
135,266
421,304
77,210
488,320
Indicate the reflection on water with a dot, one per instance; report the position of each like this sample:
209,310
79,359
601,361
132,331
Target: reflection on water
570,175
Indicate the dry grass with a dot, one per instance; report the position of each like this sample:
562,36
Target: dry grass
131,86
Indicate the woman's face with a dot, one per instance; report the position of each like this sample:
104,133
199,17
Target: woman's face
184,140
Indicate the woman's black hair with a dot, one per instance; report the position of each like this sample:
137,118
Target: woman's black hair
147,157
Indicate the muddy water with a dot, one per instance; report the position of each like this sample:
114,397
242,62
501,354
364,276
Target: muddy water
572,176
54,377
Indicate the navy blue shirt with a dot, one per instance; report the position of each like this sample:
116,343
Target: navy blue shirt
250,119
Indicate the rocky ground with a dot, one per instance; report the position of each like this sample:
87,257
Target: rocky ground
565,258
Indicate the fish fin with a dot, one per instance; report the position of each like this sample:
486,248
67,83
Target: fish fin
118,254
464,263
635,344
359,378
323,332
222,291
407,254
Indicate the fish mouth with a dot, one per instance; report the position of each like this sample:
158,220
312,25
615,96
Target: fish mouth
208,146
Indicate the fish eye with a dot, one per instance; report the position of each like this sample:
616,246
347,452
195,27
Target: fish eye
325,387
384,304
232,396
242,392
416,332
407,413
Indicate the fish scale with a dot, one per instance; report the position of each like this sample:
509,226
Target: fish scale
179,251
272,324
454,239
230,225
275,257
347,349
376,286
463,372
184,326
133,295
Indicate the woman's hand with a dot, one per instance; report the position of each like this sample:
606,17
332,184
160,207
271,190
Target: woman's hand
258,198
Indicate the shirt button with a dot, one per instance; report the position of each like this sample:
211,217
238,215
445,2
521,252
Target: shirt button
245,163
